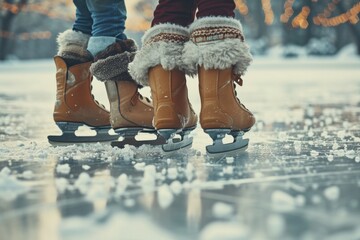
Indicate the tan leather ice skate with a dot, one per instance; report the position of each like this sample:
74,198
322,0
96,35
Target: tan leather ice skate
221,111
75,105
220,107
172,110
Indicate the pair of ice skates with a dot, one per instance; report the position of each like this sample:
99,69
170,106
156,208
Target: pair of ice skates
214,49
131,113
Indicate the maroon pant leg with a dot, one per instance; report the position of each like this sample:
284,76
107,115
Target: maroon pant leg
179,12
224,8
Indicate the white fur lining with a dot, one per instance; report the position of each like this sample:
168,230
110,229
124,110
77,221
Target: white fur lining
220,54
168,54
72,41
217,55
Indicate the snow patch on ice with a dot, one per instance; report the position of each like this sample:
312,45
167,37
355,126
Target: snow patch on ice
10,186
176,187
172,173
332,193
117,226
276,225
222,210
61,184
63,168
165,196
282,201
83,182
225,231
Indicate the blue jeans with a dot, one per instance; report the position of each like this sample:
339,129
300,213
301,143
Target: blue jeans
104,20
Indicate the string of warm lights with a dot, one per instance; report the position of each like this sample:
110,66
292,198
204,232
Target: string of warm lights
330,8
350,16
300,21
288,11
242,7
56,11
269,13
47,8
25,36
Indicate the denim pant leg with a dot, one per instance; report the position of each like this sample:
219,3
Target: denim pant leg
83,21
109,18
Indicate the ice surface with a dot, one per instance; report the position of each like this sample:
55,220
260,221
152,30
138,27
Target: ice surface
283,201
276,225
165,196
222,210
225,231
63,168
332,193
10,186
299,178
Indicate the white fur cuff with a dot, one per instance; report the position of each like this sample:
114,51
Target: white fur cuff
162,44
114,68
218,54
73,42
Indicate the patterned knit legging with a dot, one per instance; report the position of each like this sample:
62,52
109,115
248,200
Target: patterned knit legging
182,12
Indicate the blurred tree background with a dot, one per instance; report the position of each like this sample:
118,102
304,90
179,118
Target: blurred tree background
28,28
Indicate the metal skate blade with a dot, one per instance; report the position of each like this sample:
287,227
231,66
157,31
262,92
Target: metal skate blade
219,147
68,138
239,145
136,143
129,135
177,144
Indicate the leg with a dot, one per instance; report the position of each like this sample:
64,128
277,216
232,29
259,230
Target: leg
179,12
83,21
109,18
223,8
75,106
130,112
222,57
159,64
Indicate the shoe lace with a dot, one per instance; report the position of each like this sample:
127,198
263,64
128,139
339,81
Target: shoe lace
142,97
239,81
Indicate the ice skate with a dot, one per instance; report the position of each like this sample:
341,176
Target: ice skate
221,111
222,57
174,118
130,112
159,65
75,106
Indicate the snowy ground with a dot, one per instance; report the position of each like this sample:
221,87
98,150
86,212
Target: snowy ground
300,178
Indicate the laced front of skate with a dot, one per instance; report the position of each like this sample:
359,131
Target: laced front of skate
239,81
142,97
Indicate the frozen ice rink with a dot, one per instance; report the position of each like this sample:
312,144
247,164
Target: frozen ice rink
299,179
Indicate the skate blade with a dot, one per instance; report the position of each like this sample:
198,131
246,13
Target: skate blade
69,137
238,145
176,143
129,138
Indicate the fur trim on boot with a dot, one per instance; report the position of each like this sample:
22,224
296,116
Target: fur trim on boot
217,43
162,44
112,63
73,45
